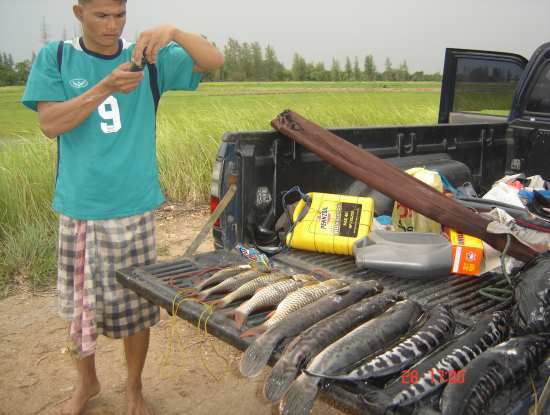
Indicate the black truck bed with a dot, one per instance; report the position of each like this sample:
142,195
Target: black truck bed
160,283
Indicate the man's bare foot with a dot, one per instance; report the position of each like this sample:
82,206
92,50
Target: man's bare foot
80,398
136,403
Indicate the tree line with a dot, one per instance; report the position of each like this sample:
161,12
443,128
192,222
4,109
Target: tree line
250,62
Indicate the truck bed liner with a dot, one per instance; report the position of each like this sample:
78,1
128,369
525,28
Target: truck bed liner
163,282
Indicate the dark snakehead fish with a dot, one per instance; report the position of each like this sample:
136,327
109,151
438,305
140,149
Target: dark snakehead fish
270,296
221,275
362,342
501,365
258,353
435,331
296,300
531,312
230,284
312,341
249,288
488,331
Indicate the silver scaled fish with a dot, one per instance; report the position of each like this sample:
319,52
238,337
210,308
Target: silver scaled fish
270,296
258,353
229,284
221,275
249,288
296,300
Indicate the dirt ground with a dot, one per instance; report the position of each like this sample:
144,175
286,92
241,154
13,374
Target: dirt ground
187,372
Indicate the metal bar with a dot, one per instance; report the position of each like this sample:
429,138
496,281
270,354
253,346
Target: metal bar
210,222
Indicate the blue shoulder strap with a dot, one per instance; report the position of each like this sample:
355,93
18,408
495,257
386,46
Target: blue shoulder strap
154,84
59,62
60,55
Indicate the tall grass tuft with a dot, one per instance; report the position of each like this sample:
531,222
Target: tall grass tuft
27,223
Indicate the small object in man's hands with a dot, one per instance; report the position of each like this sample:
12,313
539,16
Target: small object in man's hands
138,68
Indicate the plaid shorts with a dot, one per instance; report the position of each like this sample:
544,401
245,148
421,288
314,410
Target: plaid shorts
89,253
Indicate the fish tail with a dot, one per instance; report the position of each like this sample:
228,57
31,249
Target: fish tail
218,303
372,396
203,295
279,380
254,331
193,293
256,356
300,397
348,376
240,318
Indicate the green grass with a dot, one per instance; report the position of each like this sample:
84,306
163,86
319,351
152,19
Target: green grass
190,125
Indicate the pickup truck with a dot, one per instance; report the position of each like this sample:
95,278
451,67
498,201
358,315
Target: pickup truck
494,119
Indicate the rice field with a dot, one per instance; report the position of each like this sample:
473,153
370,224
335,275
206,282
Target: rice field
190,125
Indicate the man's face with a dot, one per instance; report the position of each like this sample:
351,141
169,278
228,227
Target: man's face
102,20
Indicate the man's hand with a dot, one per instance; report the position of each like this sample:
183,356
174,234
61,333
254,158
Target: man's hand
122,80
152,41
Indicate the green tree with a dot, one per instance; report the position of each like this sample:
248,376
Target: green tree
389,73
22,70
357,76
299,68
274,70
403,72
369,68
258,69
348,71
417,76
232,70
245,58
319,73
335,71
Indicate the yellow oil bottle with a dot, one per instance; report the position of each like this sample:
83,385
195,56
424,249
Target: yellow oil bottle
332,223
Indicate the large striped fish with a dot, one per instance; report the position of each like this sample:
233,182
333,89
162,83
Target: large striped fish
497,367
270,296
312,341
296,300
433,372
362,342
435,331
258,353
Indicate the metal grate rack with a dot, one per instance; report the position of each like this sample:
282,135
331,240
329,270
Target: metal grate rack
160,283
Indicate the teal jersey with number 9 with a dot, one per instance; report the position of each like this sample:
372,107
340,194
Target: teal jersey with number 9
107,165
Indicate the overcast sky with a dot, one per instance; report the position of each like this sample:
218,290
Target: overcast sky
418,31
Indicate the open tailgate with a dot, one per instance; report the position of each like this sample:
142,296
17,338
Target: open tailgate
162,282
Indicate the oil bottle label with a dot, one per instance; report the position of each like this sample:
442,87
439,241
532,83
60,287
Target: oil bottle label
349,216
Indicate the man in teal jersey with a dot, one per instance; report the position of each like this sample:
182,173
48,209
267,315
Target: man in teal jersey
103,114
